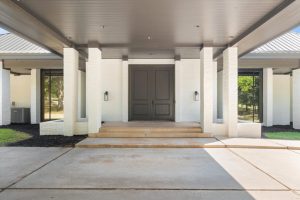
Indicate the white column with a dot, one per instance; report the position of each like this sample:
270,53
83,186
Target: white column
268,96
71,65
215,91
125,90
93,90
5,107
177,91
296,99
35,100
230,90
206,91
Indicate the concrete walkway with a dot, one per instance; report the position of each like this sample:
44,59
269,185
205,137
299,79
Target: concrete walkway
217,142
146,173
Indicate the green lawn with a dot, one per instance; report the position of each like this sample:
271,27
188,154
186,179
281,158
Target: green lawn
283,135
10,136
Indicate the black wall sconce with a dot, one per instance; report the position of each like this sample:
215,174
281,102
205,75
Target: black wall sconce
106,96
196,96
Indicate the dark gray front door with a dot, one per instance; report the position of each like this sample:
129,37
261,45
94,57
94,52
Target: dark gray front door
151,92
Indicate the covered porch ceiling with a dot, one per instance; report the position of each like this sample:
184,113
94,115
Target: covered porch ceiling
149,29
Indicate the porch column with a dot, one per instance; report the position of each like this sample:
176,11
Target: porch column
93,90
268,97
215,91
35,100
296,99
71,65
125,90
206,77
230,90
5,112
177,90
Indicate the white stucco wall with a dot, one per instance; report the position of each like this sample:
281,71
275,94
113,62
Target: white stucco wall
281,99
189,83
112,82
81,94
4,96
268,97
35,96
296,98
220,95
20,90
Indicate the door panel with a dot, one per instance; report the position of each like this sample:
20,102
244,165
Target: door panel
140,106
140,84
162,84
162,109
151,92
163,94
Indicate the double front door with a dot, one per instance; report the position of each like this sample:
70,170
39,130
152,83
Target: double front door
151,92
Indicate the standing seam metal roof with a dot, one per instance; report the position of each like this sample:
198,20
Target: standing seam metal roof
286,43
10,43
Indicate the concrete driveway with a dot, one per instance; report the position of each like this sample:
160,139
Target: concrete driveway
137,173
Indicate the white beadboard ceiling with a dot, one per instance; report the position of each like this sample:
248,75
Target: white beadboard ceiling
175,27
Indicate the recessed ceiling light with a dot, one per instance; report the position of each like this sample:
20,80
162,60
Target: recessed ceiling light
149,37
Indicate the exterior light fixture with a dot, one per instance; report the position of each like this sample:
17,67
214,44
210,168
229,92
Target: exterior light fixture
196,96
106,96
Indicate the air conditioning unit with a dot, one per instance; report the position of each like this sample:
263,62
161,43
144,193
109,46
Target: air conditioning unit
20,115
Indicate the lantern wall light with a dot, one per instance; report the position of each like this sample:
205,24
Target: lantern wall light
196,96
106,96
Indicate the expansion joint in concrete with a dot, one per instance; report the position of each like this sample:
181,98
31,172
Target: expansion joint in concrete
40,167
250,163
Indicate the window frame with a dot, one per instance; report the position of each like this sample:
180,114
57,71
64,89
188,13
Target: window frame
255,72
44,73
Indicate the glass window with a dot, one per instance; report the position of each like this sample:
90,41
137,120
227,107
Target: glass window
250,96
52,95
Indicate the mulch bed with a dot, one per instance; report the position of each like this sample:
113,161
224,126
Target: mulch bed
42,141
279,128
62,141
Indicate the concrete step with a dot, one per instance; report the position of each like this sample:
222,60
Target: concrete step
150,135
151,129
150,143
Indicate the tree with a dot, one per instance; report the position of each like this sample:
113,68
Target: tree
57,91
245,89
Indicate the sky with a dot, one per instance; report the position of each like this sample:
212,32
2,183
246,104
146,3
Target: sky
297,29
2,31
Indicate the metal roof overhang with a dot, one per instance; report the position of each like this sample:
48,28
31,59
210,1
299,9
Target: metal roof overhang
28,56
275,56
246,24
23,66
